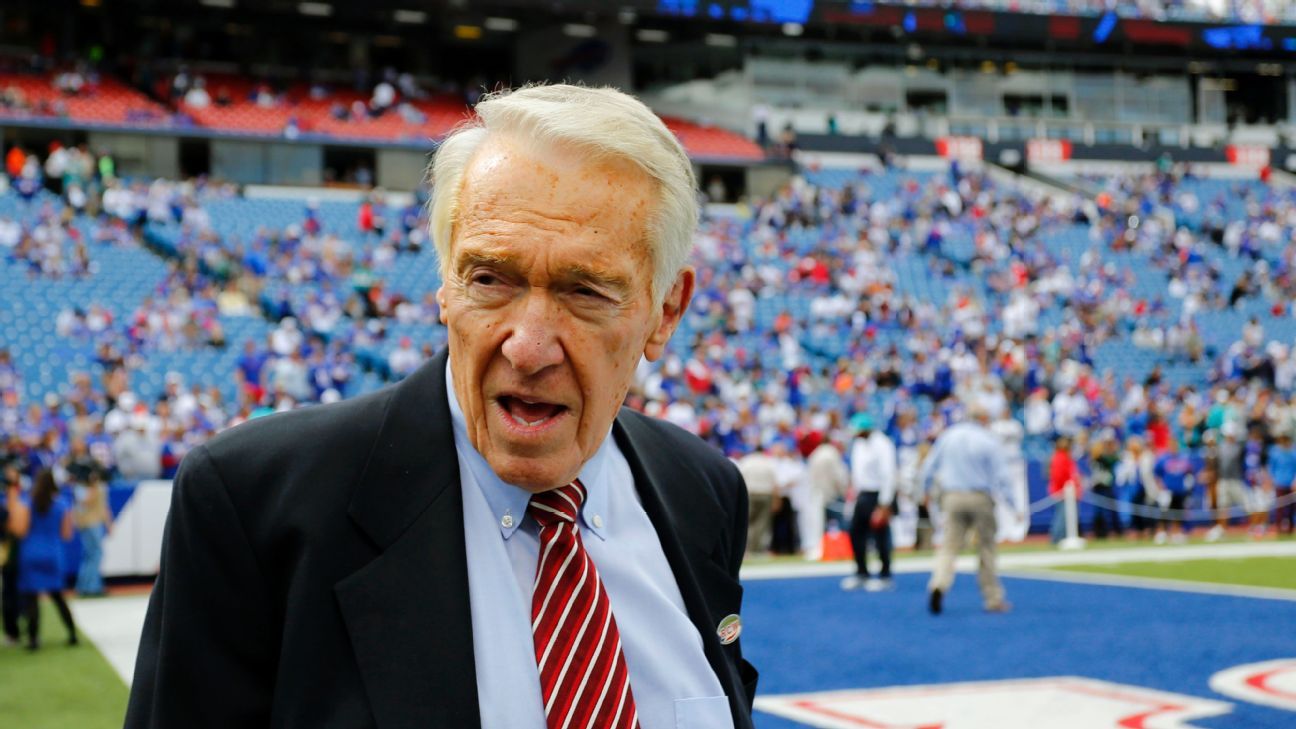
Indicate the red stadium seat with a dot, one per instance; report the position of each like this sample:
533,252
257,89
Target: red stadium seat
106,102
708,142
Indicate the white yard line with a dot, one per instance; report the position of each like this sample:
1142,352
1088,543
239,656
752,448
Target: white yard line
114,625
1159,583
1039,560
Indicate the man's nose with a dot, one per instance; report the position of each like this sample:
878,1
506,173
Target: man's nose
533,344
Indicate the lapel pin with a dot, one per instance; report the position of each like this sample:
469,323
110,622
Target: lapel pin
729,629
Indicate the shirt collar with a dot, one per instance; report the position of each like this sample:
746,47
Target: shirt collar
508,503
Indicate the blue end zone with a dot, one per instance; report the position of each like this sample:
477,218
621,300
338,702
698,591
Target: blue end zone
807,635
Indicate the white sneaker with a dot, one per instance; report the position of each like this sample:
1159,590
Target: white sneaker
854,582
1215,533
1160,538
1179,538
879,585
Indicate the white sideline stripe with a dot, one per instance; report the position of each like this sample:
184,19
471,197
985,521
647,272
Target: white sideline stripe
1030,560
1158,583
114,625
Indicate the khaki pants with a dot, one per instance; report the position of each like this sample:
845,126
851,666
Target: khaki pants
760,517
964,511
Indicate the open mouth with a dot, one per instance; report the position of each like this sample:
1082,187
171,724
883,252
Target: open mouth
529,413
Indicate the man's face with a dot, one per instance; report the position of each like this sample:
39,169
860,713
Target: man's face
548,300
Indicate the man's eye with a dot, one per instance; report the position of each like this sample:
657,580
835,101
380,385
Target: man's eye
590,295
485,279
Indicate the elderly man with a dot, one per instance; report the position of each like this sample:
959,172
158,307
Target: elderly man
968,462
494,541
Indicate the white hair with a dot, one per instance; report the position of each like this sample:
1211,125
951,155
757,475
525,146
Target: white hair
603,122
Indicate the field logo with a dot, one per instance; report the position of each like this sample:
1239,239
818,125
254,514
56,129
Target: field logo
1271,683
1061,702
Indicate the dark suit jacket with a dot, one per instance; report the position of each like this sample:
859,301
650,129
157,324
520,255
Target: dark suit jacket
314,571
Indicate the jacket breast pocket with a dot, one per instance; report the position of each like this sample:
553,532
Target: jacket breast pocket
711,712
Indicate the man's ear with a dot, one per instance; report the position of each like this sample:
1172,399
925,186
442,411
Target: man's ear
441,304
672,311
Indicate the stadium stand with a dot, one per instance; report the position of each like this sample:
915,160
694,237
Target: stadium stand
243,105
90,99
880,289
902,286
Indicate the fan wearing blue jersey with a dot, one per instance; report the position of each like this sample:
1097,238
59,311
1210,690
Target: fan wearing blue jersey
1176,473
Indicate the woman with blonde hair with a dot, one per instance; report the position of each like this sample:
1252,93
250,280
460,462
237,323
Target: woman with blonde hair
93,522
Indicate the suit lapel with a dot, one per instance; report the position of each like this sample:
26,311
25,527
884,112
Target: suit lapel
690,525
408,612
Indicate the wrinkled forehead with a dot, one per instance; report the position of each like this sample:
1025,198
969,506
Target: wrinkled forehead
513,185
509,167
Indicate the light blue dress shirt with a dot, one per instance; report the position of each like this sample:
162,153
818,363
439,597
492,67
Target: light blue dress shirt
969,457
672,682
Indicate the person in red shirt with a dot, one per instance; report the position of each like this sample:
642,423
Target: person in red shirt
1062,470
15,160
1158,433
365,218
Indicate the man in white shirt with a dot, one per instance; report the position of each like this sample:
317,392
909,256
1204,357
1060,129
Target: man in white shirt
1011,433
873,479
1069,407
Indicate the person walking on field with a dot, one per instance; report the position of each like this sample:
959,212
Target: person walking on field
968,464
873,478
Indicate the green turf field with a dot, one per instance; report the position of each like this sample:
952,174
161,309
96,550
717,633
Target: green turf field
1251,571
59,687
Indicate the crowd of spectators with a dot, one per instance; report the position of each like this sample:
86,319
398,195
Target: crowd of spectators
77,80
910,359
802,317
1228,11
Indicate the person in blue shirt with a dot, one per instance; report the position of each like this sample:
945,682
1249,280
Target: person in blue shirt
967,461
1176,472
41,524
1282,471
250,365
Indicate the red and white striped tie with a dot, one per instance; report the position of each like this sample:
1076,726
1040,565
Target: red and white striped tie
583,674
